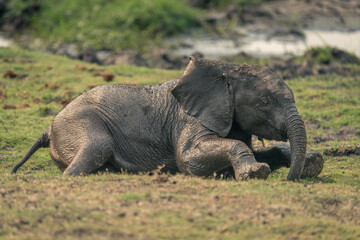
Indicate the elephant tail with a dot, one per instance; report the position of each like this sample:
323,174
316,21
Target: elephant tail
42,142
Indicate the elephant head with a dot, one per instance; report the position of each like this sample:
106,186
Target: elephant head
254,98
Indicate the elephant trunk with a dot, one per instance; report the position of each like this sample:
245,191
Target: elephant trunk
295,130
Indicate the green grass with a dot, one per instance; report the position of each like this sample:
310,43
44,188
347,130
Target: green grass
325,55
337,110
100,24
112,25
38,203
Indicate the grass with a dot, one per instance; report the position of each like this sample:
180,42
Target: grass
325,55
103,24
111,25
38,203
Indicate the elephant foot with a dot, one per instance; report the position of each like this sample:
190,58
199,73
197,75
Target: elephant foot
255,170
313,166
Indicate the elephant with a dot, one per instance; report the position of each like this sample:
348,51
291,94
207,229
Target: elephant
199,124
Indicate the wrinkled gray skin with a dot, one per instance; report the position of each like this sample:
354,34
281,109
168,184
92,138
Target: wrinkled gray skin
199,124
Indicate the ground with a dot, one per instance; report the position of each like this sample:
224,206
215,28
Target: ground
39,203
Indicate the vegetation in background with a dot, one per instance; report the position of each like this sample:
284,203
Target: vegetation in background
326,55
113,25
317,55
315,61
103,24
38,203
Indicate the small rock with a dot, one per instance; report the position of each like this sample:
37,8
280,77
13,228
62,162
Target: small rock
69,50
102,55
88,55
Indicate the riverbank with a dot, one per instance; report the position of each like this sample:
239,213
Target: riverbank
280,29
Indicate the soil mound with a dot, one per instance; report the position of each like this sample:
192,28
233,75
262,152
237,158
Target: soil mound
343,151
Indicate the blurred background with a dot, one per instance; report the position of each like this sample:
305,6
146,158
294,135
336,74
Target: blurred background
159,33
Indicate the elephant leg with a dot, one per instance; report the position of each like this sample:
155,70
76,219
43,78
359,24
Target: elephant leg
57,159
276,157
90,158
313,166
280,156
204,158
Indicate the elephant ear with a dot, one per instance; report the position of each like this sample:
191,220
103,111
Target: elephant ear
204,93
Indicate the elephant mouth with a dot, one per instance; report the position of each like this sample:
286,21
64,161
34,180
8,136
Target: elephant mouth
271,133
275,133
276,138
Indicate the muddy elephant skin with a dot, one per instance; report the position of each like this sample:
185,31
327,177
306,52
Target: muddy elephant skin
198,124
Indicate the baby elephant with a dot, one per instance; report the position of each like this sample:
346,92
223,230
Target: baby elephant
199,124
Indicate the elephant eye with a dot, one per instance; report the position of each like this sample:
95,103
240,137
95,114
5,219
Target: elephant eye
264,100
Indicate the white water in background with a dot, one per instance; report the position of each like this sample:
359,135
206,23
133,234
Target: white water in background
4,42
258,45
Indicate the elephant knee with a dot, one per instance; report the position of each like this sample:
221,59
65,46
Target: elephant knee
193,167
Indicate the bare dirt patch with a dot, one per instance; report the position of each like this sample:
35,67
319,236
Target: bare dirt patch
344,133
8,106
289,69
343,151
9,74
12,74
